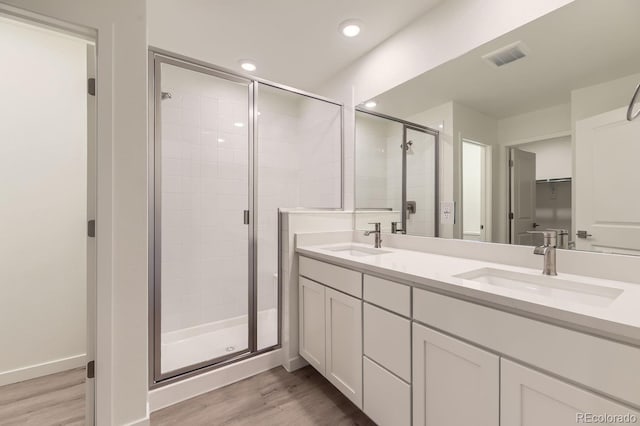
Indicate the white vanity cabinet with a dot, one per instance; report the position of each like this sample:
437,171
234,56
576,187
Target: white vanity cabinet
529,397
412,356
330,324
454,383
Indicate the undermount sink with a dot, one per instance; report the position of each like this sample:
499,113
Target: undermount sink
551,287
357,251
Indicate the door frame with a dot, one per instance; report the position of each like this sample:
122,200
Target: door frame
486,208
156,376
92,260
507,167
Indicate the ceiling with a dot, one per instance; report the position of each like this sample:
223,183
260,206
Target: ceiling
293,42
581,44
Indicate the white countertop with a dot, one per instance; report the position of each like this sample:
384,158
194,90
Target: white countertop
619,319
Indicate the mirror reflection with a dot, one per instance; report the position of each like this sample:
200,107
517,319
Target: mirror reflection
530,133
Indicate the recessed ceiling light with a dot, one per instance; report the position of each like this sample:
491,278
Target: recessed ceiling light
220,140
238,124
370,104
248,65
350,27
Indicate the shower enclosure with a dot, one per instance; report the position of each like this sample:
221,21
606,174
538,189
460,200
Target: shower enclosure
214,287
397,170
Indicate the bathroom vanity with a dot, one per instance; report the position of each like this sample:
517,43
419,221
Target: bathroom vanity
427,339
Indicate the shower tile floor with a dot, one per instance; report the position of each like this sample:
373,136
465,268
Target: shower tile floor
190,346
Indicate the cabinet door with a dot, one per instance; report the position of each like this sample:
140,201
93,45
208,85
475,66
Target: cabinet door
454,383
529,397
344,344
387,399
312,323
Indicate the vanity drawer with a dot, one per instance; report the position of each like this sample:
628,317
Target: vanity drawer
342,279
387,399
387,340
388,294
610,367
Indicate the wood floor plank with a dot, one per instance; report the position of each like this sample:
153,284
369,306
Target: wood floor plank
272,398
56,399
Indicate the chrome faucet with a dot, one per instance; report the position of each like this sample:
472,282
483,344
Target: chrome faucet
378,242
548,250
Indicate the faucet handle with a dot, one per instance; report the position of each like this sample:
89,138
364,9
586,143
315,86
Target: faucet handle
550,236
377,225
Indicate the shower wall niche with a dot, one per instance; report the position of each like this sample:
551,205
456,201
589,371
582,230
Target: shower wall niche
229,151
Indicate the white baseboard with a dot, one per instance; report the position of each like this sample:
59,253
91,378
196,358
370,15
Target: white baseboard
188,388
44,369
295,364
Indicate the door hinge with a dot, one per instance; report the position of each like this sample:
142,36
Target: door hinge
91,369
91,86
510,163
246,217
511,215
91,228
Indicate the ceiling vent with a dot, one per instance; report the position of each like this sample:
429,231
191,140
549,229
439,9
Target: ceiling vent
506,55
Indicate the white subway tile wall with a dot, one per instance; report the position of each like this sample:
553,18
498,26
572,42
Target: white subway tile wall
204,172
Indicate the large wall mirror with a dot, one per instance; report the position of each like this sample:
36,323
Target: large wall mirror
528,132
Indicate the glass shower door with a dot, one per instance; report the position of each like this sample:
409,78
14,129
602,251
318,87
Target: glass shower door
203,248
420,195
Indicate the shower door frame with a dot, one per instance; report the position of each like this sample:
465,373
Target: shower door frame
408,125
157,377
156,57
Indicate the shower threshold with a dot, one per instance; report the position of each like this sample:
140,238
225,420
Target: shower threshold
194,345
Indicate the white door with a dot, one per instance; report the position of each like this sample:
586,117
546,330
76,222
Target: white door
454,383
607,150
523,196
312,323
532,398
344,344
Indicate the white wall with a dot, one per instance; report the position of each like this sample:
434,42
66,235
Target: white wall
478,127
535,125
594,100
43,178
121,367
553,157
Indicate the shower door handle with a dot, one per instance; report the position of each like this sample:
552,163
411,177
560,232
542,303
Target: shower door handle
246,217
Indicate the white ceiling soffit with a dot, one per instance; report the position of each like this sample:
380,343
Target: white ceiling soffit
293,42
584,43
